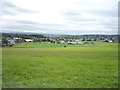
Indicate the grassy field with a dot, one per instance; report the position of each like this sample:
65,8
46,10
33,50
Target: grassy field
45,65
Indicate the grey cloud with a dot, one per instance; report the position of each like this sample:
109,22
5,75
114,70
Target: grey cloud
105,13
23,28
9,8
76,16
20,27
28,22
24,25
24,22
109,9
70,17
34,23
107,18
71,13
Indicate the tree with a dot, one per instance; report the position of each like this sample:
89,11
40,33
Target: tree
83,40
4,42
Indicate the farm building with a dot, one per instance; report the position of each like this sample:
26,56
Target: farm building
80,42
71,42
76,42
28,40
62,42
110,41
18,40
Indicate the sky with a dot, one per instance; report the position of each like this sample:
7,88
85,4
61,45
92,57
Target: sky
59,16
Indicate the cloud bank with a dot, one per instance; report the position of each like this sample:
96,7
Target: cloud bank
60,16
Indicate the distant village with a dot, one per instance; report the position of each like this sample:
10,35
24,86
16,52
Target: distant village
11,39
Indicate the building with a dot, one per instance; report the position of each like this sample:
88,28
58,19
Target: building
62,42
10,41
18,40
71,42
28,40
80,42
110,41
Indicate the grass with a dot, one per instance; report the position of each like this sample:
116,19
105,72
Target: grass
53,66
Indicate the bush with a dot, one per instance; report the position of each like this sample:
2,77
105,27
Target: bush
10,45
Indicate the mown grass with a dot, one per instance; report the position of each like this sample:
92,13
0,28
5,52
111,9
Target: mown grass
54,66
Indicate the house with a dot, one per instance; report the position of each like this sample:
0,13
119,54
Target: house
18,40
71,42
28,40
80,42
115,41
110,41
11,41
15,38
77,40
62,42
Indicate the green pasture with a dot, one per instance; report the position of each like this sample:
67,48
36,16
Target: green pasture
53,45
46,65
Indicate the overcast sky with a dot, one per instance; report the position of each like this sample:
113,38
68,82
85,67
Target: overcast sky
59,16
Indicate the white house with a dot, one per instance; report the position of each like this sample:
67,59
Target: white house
80,42
71,42
17,38
63,42
28,40
110,41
